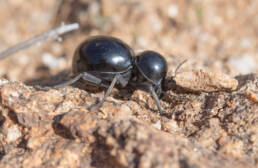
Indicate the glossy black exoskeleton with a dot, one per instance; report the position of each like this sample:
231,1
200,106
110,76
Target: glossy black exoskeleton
104,58
107,62
150,69
152,66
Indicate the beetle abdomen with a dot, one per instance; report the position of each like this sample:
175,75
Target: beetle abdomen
102,54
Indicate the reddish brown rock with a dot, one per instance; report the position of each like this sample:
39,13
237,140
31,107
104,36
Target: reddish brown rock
205,81
201,130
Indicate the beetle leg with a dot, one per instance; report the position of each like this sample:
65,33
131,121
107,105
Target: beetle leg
150,88
92,79
121,80
116,78
85,76
75,79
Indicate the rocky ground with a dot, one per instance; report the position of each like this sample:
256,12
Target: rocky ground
210,116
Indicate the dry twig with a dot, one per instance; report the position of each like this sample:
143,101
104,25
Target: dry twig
49,35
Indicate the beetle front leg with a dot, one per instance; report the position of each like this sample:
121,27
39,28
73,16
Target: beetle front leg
149,88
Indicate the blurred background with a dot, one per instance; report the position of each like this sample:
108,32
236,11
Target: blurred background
215,34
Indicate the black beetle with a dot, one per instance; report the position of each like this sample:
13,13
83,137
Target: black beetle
107,62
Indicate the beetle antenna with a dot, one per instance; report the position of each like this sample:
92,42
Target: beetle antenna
177,68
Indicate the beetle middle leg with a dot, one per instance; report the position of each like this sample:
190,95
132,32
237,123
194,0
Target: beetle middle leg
117,78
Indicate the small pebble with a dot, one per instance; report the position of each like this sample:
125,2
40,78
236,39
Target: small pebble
244,64
252,96
246,42
51,61
157,125
173,11
13,133
170,126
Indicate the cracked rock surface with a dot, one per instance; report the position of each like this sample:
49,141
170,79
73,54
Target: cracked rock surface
54,128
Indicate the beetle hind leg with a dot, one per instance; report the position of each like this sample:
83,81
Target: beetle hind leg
91,79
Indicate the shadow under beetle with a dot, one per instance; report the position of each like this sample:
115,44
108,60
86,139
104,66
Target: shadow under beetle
108,62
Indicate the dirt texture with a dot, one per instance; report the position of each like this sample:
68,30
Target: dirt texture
210,106
54,129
